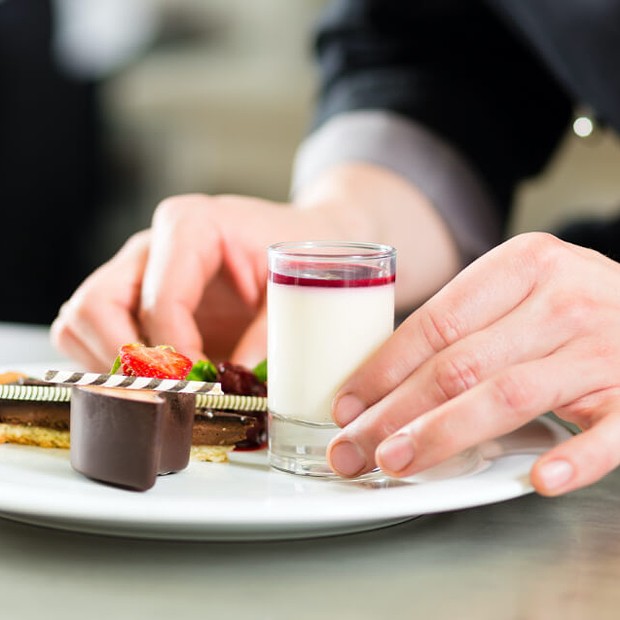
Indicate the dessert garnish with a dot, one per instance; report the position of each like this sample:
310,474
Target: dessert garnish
62,393
159,362
38,412
131,382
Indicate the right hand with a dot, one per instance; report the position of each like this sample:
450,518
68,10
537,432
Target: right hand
530,327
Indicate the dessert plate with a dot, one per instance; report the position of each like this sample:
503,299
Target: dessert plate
247,500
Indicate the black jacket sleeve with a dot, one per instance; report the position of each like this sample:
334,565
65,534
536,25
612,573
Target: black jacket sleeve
453,66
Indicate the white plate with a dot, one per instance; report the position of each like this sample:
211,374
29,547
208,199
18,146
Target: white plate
246,500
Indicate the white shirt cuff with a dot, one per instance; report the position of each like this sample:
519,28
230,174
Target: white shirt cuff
412,151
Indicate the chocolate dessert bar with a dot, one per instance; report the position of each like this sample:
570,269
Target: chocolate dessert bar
42,418
129,437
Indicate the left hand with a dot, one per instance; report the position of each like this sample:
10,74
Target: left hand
532,326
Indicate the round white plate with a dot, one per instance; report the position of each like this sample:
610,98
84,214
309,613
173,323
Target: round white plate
246,500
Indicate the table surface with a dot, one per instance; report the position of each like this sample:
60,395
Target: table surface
525,559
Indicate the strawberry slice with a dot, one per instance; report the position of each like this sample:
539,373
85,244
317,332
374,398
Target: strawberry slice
161,362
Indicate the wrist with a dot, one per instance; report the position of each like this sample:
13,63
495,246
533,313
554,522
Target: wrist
364,202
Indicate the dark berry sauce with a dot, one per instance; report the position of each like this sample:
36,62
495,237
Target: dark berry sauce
337,276
236,379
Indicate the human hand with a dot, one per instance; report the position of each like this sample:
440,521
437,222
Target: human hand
532,326
195,280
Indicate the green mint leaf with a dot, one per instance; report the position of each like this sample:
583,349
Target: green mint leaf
116,365
203,370
260,371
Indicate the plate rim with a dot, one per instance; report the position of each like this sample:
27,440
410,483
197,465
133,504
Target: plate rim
505,478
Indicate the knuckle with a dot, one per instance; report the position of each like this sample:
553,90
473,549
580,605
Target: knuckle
133,242
539,252
511,393
440,330
83,309
166,206
454,375
540,247
574,313
172,209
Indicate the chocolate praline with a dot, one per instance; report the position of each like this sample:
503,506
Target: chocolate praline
127,438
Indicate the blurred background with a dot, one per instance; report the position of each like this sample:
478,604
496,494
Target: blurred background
109,107
218,104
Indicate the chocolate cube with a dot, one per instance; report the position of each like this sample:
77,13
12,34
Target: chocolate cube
128,437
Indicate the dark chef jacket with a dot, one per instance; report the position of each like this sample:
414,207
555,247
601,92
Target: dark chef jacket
498,80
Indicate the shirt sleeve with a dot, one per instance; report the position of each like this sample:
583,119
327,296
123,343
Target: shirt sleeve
448,85
413,152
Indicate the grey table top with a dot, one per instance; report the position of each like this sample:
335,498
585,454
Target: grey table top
528,558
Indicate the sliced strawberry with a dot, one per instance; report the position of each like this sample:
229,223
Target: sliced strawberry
161,362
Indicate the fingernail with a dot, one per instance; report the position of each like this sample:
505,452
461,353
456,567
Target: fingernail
395,453
555,474
347,408
346,458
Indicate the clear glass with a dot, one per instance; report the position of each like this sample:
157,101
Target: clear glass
330,305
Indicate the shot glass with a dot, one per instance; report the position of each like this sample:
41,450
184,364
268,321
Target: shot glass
330,305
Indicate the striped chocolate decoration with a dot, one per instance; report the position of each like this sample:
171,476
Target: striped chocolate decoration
62,394
132,383
40,393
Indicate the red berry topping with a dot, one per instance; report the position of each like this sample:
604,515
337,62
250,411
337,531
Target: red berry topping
237,379
161,362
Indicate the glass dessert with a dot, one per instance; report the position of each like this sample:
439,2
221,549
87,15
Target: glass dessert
330,305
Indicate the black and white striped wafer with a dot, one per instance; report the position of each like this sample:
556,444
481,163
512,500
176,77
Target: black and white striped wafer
38,393
131,383
62,394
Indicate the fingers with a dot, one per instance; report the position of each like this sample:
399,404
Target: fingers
494,407
468,362
100,316
184,255
480,295
193,248
529,328
583,459
252,347
454,370
71,346
193,281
